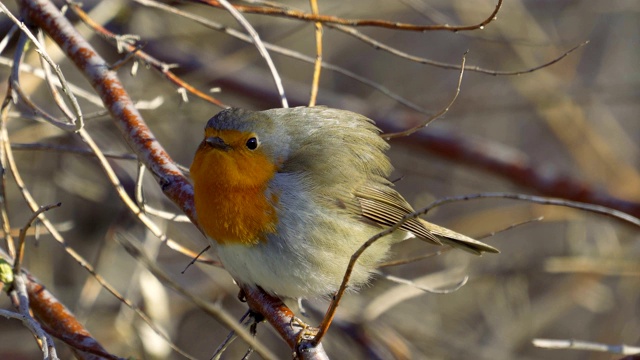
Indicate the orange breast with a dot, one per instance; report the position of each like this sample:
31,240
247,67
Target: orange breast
230,195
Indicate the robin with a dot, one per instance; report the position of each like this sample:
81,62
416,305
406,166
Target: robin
288,195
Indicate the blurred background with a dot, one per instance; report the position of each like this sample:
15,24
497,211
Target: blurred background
571,275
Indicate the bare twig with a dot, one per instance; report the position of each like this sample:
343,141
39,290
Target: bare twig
78,122
436,115
602,210
77,151
6,225
286,52
139,193
414,259
260,46
318,63
48,79
18,94
395,295
512,226
431,290
23,233
440,252
378,45
295,14
231,337
213,309
79,92
163,68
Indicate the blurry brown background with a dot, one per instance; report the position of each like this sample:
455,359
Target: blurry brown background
573,275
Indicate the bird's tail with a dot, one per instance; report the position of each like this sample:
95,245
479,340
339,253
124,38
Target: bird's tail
457,240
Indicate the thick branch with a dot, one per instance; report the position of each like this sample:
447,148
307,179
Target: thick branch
63,323
273,309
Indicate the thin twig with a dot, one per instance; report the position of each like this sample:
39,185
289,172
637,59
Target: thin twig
196,258
378,45
598,209
403,281
512,226
76,150
48,79
440,252
260,46
126,199
414,259
213,309
295,14
286,52
230,337
79,92
6,225
139,195
19,95
318,63
78,122
440,113
164,69
132,54
23,233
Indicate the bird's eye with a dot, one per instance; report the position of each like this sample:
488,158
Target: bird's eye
252,143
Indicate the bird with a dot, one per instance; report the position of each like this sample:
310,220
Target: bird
287,195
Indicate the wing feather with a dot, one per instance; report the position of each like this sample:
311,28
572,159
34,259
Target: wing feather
385,206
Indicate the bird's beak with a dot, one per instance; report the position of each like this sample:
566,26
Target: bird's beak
217,143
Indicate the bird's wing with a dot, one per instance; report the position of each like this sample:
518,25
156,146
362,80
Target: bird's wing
385,206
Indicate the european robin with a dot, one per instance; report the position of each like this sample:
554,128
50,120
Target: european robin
288,195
